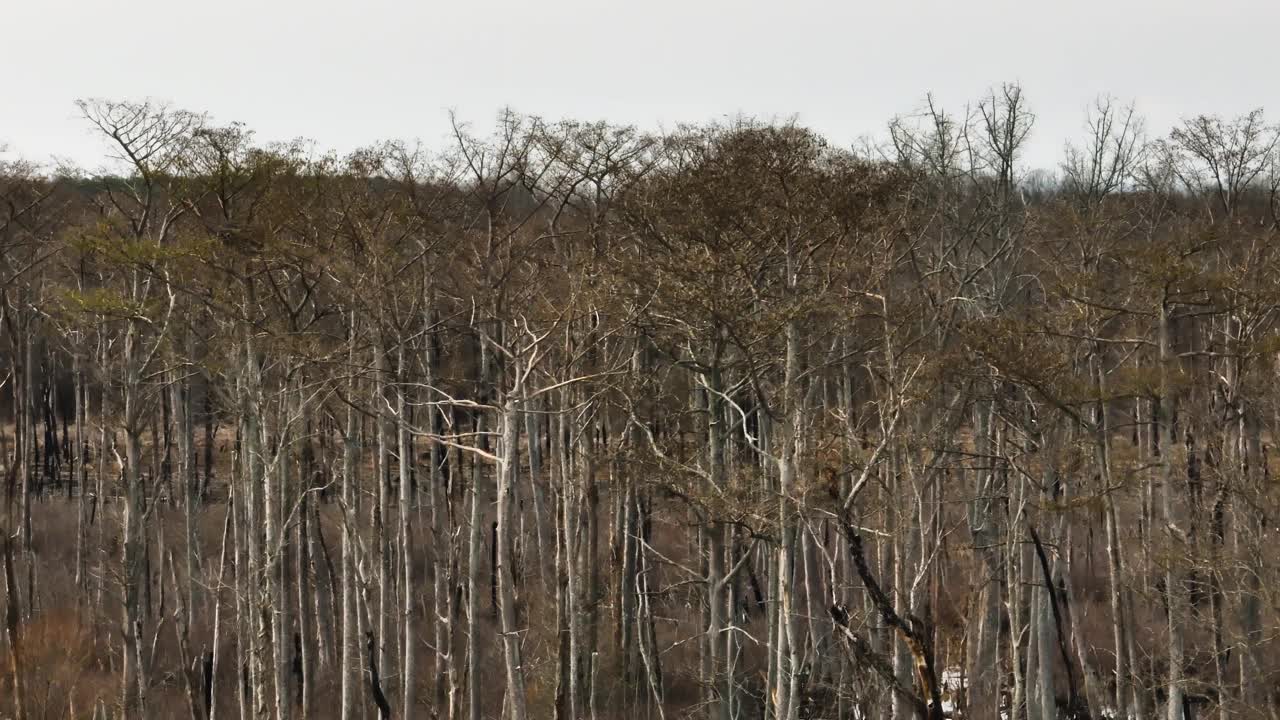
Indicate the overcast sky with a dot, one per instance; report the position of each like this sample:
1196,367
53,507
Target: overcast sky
350,73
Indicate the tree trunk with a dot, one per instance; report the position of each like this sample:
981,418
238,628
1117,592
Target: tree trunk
349,651
511,634
1175,599
409,587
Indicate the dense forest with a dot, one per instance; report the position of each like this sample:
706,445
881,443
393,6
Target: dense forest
570,420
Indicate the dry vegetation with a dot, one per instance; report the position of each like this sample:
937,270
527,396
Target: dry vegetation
570,421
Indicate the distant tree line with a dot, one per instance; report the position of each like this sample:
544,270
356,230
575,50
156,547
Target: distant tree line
568,420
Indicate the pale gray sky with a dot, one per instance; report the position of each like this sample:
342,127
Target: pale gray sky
350,73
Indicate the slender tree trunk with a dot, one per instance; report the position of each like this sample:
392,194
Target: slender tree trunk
511,634
473,586
381,511
135,679
215,661
80,468
711,670
786,652
1174,593
13,632
404,447
983,693
349,650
